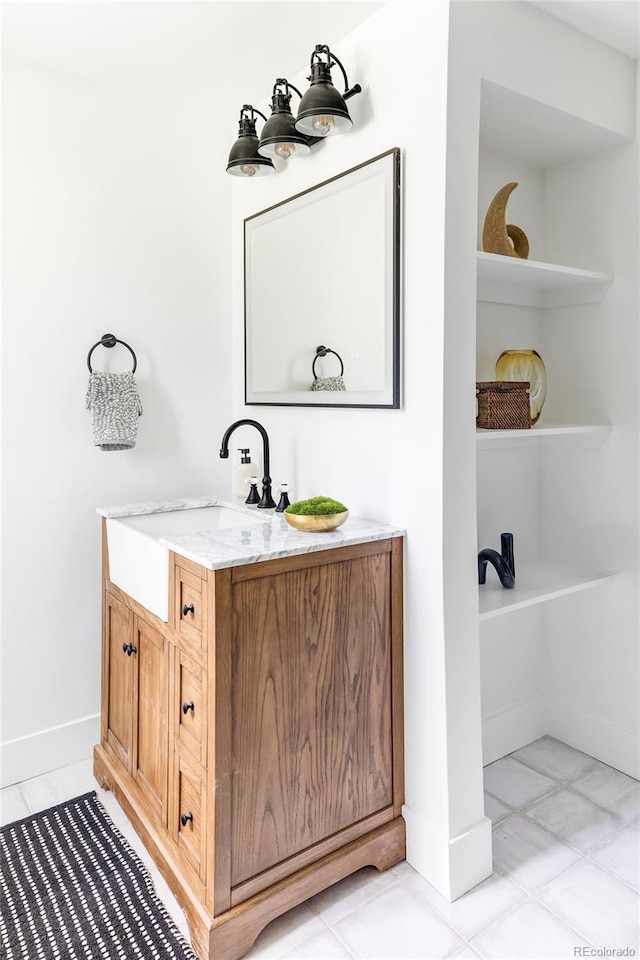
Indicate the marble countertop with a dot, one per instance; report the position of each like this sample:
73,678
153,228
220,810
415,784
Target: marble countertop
268,539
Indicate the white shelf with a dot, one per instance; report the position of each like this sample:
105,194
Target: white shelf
536,582
530,283
564,434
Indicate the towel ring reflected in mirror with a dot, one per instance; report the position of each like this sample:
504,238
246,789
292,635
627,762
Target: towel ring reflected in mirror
322,352
108,340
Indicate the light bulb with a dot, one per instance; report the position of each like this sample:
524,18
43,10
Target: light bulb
284,150
322,124
248,169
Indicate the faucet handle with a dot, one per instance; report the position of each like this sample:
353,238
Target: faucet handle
284,501
254,496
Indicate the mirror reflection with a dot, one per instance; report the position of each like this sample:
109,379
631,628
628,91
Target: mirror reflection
322,293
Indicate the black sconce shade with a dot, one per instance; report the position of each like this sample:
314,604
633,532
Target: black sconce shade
323,111
279,136
244,159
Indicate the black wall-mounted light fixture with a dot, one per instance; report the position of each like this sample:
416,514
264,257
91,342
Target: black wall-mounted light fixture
244,159
279,136
322,113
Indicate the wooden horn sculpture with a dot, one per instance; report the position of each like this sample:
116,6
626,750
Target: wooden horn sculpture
501,237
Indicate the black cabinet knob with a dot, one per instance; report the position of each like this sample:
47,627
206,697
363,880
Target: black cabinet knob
185,818
188,706
188,608
129,648
125,647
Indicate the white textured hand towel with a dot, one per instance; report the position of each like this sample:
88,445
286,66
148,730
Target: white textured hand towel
115,407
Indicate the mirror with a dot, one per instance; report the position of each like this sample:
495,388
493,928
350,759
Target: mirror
322,293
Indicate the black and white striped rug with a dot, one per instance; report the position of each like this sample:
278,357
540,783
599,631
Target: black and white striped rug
73,888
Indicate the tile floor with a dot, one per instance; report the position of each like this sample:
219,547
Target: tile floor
566,872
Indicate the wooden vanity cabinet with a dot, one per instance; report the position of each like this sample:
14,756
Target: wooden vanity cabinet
255,741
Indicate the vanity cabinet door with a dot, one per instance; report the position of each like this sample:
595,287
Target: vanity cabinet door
117,680
311,707
151,715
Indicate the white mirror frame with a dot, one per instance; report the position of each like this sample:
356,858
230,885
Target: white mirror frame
347,231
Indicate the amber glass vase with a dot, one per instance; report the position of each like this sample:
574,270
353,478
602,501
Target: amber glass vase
522,365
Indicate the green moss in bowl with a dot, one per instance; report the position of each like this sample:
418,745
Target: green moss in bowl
316,506
317,515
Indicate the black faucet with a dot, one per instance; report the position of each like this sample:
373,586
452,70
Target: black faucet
504,563
267,500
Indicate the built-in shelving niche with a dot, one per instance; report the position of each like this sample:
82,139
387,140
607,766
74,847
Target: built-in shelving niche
508,280
557,486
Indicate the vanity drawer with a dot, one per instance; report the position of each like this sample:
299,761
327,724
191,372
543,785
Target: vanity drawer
190,597
190,706
190,813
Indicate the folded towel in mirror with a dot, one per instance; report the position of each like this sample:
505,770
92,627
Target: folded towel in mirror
115,407
328,383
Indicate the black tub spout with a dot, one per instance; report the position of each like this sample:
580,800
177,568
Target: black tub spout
504,562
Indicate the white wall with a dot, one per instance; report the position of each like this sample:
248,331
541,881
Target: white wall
388,464
113,223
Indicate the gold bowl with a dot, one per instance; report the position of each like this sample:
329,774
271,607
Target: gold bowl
316,523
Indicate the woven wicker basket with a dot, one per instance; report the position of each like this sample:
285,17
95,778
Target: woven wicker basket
503,405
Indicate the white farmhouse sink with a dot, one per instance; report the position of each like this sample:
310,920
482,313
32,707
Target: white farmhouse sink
193,520
139,560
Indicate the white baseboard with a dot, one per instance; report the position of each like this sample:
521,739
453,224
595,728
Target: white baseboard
46,750
451,865
513,728
600,738
516,727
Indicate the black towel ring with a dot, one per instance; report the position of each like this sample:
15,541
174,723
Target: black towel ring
322,352
108,340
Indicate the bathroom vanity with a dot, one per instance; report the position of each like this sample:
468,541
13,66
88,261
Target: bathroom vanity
252,725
